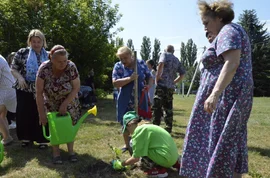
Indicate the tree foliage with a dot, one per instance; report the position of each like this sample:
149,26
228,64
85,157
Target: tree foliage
82,26
260,45
130,44
146,48
156,51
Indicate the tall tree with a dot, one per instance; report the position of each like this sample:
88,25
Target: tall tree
119,42
156,51
82,26
183,55
188,55
146,48
130,44
260,40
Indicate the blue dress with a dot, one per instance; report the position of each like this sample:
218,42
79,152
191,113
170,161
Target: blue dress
125,100
216,144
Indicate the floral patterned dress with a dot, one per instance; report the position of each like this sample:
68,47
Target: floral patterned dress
216,144
56,89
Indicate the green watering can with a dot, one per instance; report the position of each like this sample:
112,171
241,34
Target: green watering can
1,151
61,128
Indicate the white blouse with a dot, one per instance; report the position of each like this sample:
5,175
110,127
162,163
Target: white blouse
6,78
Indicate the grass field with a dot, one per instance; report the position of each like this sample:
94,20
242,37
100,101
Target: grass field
95,154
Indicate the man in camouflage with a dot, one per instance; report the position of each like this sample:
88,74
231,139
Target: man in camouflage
168,67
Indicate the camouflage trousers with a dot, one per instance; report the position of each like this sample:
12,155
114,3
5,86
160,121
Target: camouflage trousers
163,103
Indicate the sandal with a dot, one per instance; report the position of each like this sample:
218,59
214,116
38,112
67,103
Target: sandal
57,160
8,141
42,146
73,158
26,143
124,149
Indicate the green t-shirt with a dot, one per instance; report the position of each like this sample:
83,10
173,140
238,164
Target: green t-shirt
155,143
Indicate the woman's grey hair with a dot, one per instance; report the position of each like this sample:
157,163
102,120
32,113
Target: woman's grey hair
123,50
58,50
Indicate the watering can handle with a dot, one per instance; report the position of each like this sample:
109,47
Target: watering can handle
61,115
44,133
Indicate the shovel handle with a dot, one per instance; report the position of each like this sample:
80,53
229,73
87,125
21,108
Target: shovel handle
136,83
1,151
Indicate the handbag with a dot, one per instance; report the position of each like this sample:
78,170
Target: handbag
141,112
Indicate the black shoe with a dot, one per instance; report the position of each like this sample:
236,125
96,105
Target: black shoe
73,158
42,146
57,160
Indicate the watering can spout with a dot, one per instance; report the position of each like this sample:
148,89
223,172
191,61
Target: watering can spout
93,111
78,124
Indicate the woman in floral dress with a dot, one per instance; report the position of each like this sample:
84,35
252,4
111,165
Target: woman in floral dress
216,137
57,88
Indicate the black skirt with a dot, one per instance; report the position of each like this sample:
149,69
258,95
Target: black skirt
27,118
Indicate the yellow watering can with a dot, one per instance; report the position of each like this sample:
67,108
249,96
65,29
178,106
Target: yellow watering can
1,151
61,128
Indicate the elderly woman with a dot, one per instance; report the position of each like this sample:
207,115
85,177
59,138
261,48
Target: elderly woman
57,88
24,68
7,99
123,77
216,138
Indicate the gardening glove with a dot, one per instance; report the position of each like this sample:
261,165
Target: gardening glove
117,165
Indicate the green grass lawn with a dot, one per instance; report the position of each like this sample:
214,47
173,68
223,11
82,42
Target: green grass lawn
95,154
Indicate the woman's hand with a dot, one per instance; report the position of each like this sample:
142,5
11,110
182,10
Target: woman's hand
63,108
21,82
43,119
211,103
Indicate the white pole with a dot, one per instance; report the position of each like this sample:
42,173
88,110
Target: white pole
195,73
183,89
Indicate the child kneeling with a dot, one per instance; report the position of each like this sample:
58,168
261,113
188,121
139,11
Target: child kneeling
152,144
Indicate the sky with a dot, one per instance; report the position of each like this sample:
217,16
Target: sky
174,21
